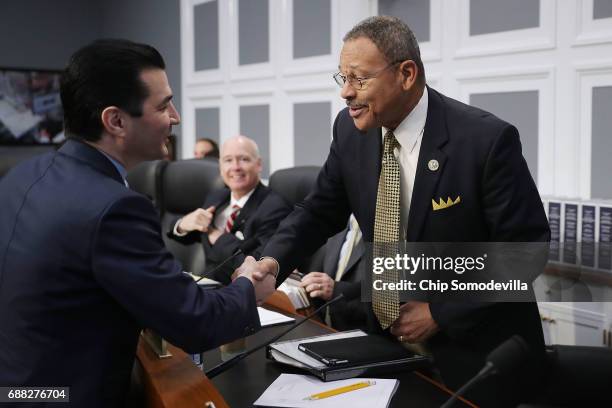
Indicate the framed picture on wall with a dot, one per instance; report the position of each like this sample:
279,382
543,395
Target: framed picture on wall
30,107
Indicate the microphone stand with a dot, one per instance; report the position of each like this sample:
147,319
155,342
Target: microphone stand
234,255
485,372
246,246
219,368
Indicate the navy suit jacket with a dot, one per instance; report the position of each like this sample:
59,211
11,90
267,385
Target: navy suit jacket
83,269
479,159
257,220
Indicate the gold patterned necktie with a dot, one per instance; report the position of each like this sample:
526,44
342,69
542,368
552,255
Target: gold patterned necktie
387,231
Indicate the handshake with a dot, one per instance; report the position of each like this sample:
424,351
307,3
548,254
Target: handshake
262,275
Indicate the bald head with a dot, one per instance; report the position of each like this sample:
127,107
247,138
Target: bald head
242,142
240,165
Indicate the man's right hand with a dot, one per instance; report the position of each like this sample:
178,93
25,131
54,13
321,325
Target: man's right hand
260,270
198,220
264,287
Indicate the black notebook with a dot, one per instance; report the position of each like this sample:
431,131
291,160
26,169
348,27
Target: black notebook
358,350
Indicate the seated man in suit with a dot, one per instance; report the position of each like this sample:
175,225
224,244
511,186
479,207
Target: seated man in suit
341,262
83,267
243,210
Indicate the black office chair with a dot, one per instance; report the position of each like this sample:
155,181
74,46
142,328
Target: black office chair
295,183
146,179
578,376
184,187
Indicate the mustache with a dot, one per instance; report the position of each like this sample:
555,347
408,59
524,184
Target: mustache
355,104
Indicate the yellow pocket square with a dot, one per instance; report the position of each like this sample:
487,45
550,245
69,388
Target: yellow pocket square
444,204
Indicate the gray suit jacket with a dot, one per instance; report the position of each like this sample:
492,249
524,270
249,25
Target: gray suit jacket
350,312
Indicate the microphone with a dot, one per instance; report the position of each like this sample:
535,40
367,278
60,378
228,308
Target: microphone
504,359
246,246
222,367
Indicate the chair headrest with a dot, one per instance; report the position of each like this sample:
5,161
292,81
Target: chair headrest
186,183
145,178
295,183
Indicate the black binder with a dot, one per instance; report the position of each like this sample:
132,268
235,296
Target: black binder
359,363
355,351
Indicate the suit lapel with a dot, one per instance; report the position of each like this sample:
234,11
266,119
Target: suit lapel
426,180
371,154
250,207
218,199
332,253
355,257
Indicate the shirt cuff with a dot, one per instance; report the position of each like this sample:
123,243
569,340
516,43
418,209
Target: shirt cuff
176,232
275,261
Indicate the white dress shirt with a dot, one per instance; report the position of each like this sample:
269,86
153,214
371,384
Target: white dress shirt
221,217
353,236
409,134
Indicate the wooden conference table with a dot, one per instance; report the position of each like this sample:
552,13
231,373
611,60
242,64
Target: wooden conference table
176,382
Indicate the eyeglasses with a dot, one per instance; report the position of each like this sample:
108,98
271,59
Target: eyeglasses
359,83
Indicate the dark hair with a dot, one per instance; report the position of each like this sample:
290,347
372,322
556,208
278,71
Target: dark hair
102,74
215,147
394,39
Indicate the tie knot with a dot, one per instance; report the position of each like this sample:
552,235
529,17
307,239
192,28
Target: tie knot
390,142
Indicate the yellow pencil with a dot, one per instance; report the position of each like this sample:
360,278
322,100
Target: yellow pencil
340,390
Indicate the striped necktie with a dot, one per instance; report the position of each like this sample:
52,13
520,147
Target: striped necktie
230,220
386,231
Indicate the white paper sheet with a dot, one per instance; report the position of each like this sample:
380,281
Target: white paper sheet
289,390
270,318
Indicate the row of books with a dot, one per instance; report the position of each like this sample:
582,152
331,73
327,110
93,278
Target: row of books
581,232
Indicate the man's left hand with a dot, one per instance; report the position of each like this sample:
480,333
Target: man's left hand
318,284
415,323
213,235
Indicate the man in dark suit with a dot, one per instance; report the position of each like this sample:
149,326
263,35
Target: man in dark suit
338,268
400,147
243,210
83,267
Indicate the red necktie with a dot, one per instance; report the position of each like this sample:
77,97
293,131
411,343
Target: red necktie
230,221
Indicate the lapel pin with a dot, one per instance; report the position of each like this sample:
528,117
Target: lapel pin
433,165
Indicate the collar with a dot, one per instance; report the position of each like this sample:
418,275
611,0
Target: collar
91,156
122,171
409,130
241,202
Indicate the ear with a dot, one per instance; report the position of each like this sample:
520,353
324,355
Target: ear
114,121
409,73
